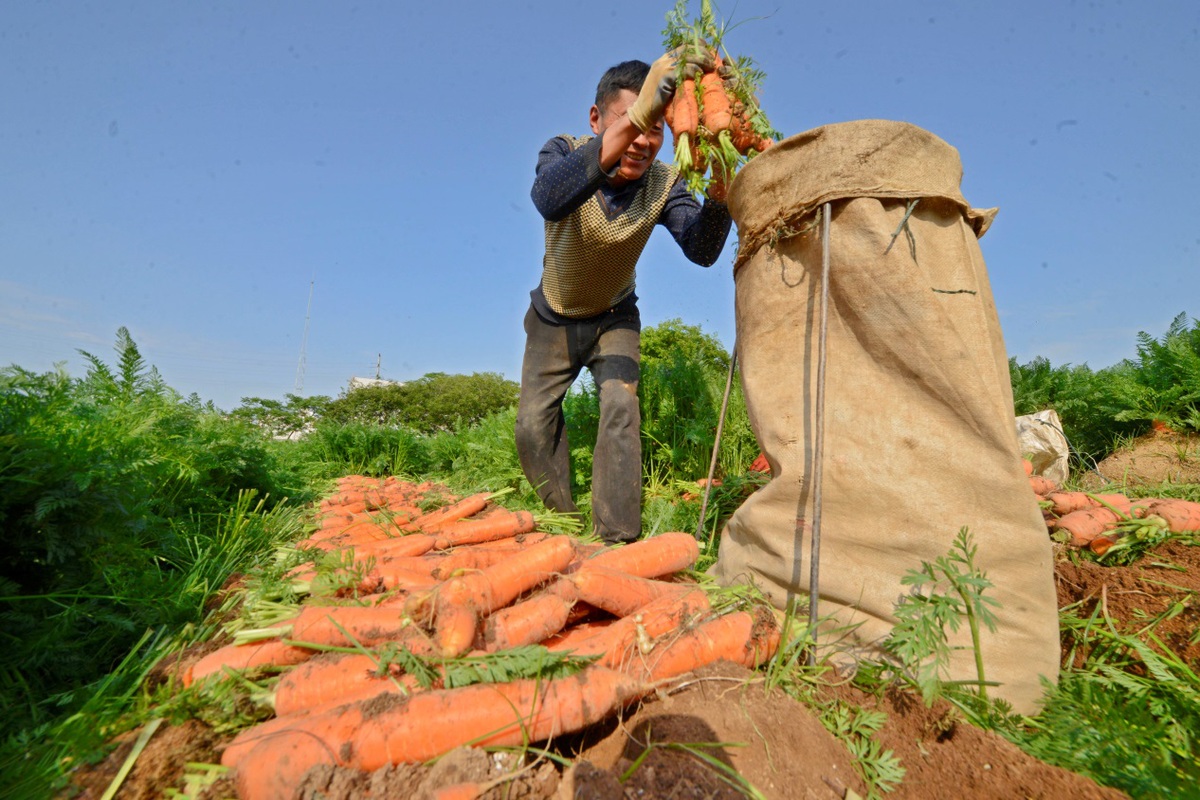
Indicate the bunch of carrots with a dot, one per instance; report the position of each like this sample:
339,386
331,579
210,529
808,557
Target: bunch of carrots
715,118
1101,522
367,662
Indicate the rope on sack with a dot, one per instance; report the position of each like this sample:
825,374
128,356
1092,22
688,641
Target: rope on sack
814,575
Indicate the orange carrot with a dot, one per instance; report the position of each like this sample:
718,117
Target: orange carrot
1103,543
480,556
1041,486
432,723
1028,465
685,112
501,525
459,509
714,103
616,641
335,678
1087,524
368,625
270,765
456,606
746,638
412,544
570,638
1066,502
654,557
1181,515
390,729
527,622
238,657
619,593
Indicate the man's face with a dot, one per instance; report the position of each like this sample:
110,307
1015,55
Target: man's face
640,154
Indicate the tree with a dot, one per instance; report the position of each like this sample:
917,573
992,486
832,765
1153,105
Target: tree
434,402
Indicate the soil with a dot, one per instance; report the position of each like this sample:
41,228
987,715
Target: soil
722,731
1159,457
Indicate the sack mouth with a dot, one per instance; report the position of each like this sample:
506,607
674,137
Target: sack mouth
773,196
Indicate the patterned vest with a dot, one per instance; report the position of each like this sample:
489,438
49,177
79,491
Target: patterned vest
590,258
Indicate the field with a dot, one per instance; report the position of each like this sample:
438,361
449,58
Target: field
1120,723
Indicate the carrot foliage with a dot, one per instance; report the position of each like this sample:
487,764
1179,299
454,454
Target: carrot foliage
710,158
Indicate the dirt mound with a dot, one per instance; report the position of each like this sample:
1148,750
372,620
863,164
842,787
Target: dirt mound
1158,457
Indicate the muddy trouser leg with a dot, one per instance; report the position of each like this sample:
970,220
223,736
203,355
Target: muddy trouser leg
548,370
617,461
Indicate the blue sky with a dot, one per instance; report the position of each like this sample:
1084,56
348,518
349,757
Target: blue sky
188,170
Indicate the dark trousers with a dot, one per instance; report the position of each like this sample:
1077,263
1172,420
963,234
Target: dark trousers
608,345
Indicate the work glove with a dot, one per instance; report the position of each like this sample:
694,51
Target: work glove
659,87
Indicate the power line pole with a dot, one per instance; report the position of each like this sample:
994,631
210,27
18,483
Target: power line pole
304,341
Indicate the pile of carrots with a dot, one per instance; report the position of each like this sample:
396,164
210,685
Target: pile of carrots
466,581
715,117
1099,521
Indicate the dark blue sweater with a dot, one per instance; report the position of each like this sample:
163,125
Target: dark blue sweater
567,178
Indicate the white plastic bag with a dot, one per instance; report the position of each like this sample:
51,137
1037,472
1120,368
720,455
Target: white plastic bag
1043,442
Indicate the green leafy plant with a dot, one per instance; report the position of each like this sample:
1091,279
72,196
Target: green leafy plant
1126,715
946,591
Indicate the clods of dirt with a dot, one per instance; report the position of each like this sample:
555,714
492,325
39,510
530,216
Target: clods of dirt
723,717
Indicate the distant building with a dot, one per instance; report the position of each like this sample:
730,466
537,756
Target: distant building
363,383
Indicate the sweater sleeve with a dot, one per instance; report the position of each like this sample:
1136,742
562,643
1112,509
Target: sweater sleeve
700,230
566,178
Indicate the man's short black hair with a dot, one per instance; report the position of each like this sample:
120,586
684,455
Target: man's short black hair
626,75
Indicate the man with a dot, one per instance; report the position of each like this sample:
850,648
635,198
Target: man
601,197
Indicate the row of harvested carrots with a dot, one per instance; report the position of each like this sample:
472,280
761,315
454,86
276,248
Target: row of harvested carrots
1098,521
466,579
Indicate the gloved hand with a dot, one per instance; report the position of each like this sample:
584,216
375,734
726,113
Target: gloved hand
659,87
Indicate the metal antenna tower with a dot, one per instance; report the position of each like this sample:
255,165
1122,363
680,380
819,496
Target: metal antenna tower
304,341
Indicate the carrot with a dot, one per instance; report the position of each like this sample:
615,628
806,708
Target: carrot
570,638
335,678
1028,465
238,657
1181,515
270,765
619,593
654,557
501,525
527,622
434,722
413,544
483,555
1087,524
458,603
459,509
343,625
685,110
1041,486
616,641
1103,543
714,103
390,729
746,638
1066,502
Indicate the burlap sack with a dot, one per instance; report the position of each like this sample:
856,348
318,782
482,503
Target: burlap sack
919,435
